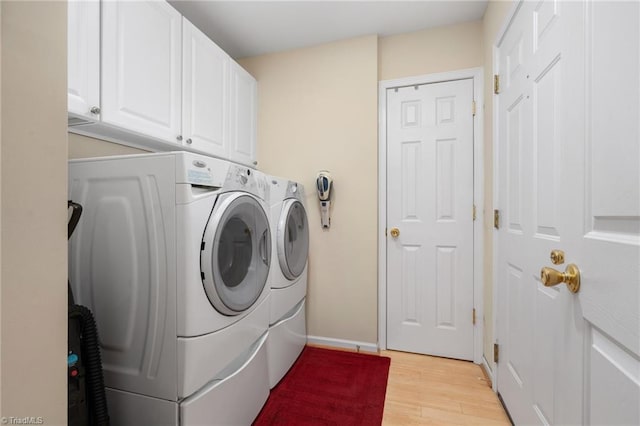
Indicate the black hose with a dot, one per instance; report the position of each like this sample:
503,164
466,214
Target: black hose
93,366
70,300
76,212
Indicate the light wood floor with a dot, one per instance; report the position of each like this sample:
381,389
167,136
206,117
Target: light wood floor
424,390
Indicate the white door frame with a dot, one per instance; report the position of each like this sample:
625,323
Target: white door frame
496,158
478,195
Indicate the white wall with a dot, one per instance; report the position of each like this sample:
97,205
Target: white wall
33,193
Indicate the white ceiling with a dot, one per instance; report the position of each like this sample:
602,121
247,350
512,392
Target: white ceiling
249,28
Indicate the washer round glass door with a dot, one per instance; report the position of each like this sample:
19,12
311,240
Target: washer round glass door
236,253
293,239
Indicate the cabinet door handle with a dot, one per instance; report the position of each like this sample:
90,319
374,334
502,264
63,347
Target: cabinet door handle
179,138
189,141
95,110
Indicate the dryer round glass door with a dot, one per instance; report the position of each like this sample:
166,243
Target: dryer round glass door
293,239
235,253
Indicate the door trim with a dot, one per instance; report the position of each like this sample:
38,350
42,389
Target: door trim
476,74
506,23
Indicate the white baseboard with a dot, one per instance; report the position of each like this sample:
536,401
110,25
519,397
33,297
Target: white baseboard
489,371
344,344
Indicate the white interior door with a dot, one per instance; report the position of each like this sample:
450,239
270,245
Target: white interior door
430,203
566,169
537,329
607,172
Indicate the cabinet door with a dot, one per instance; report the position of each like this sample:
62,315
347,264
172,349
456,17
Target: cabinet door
141,67
83,43
242,106
205,92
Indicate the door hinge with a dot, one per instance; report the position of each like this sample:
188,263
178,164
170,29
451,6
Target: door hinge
474,316
385,232
496,353
474,212
496,84
496,219
473,108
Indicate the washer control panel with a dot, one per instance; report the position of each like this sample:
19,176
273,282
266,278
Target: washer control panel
240,178
200,170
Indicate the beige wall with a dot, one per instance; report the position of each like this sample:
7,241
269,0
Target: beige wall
83,147
492,22
0,209
317,109
430,51
33,190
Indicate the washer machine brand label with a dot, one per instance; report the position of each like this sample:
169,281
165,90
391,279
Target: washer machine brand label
199,177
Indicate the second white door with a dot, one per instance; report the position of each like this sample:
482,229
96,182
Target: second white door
430,219
568,163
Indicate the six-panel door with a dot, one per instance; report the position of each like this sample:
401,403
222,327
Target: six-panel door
430,202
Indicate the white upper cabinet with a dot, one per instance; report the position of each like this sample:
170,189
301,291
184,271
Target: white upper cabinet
142,67
141,75
205,93
83,42
242,107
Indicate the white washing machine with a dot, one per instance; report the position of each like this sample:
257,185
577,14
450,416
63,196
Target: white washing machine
288,276
172,255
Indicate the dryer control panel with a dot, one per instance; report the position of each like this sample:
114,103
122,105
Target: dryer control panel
295,190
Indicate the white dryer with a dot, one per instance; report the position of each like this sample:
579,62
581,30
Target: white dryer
288,276
172,255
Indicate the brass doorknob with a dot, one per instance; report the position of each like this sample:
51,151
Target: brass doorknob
394,232
571,277
557,257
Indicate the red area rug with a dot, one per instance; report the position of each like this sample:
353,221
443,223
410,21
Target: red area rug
327,387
